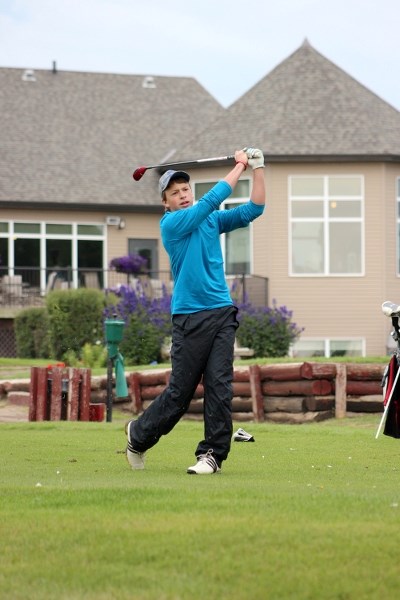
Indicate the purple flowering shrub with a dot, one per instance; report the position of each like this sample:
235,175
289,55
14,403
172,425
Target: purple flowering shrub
148,323
131,264
269,331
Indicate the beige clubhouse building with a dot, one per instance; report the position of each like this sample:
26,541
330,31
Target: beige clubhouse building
328,242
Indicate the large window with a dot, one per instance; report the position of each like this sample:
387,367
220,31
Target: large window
38,251
236,245
326,225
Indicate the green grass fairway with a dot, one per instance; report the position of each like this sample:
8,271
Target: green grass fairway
306,512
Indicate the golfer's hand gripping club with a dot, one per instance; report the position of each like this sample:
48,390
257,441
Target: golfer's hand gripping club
255,158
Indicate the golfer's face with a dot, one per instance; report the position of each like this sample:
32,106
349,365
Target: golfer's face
178,195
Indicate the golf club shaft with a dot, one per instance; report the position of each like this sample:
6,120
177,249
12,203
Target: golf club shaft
190,162
140,171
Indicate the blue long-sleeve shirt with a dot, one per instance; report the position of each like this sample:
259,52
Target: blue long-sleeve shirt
191,238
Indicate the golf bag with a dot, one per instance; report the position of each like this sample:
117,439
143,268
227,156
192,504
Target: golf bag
392,394
391,378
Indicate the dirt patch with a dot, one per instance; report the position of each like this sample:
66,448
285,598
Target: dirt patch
13,413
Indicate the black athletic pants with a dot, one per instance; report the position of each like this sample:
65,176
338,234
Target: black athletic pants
202,346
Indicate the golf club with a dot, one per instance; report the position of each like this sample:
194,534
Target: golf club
140,171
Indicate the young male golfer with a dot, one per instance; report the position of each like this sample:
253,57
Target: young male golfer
203,315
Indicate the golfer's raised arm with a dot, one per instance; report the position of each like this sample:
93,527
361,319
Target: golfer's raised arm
241,165
258,191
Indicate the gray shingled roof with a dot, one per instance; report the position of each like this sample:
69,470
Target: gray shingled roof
306,107
75,138
72,138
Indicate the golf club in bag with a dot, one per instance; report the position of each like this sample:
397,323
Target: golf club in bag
391,379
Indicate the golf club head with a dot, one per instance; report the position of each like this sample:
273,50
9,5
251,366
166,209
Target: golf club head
138,173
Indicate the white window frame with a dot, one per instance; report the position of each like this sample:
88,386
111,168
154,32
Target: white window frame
327,345
42,236
326,220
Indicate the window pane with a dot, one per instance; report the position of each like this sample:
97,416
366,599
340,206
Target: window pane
3,256
346,348
54,228
58,253
27,254
237,252
27,227
344,208
307,186
344,186
345,247
303,348
307,248
90,256
237,248
302,209
242,189
90,229
148,249
201,188
3,227
308,348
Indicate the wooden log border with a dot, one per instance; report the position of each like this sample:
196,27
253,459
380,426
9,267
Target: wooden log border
292,392
288,392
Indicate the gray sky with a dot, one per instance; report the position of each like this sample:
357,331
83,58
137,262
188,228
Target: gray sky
227,45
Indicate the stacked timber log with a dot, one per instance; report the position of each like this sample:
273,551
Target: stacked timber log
364,388
281,393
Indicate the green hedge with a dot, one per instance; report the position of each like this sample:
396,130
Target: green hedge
75,319
32,337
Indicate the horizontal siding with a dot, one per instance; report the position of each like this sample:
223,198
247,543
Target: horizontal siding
333,306
324,306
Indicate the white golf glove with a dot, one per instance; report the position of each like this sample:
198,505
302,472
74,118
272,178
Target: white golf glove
255,157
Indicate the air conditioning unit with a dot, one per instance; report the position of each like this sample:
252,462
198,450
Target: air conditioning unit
113,221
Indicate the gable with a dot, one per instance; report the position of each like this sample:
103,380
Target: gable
305,107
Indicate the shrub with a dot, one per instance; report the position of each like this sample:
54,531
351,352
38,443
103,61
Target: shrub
141,342
92,356
148,323
32,333
76,318
269,331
